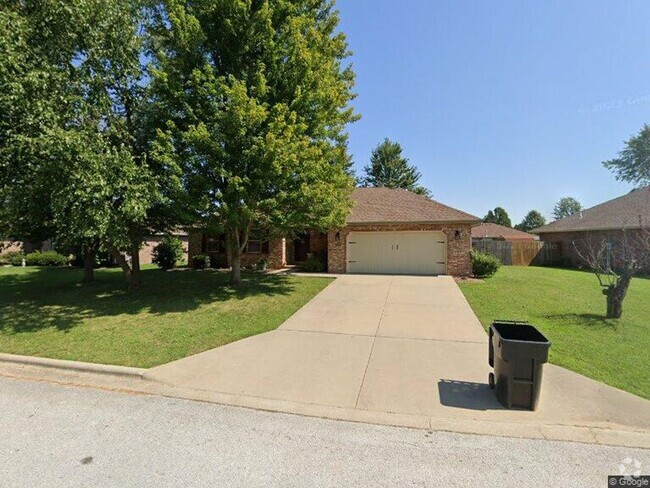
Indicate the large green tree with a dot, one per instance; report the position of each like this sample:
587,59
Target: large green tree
389,168
256,97
565,207
498,216
633,162
83,159
532,220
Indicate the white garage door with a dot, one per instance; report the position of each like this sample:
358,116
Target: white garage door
421,253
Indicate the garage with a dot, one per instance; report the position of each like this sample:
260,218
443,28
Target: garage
401,252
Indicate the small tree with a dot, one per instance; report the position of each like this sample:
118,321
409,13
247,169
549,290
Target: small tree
565,207
168,252
498,216
615,260
532,220
633,162
388,168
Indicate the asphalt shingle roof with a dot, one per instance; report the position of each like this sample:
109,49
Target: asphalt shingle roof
394,205
630,211
496,231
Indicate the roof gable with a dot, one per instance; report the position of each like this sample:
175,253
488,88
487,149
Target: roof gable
395,205
630,211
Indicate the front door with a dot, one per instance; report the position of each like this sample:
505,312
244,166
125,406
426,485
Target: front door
301,248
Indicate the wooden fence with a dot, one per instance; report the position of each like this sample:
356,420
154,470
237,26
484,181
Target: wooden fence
525,253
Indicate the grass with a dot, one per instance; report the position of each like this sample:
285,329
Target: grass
48,313
569,307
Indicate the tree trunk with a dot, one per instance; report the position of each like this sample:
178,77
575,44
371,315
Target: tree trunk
121,260
237,248
89,263
235,270
136,276
615,296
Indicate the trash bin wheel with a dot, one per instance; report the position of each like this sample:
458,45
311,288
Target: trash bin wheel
491,380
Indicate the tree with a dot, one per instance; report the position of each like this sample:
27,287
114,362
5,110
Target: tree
633,162
532,220
615,260
565,207
498,216
80,156
256,98
388,168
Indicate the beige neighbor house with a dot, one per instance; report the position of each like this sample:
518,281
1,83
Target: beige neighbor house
390,231
629,213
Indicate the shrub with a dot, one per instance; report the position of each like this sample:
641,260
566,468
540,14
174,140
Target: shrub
15,258
168,252
314,264
47,258
201,261
261,265
484,265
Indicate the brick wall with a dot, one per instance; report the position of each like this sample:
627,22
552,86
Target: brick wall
569,240
458,248
277,256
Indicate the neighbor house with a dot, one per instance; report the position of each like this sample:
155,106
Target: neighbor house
607,221
487,231
390,231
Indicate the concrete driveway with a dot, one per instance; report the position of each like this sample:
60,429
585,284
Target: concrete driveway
370,346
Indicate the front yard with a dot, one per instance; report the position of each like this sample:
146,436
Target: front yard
568,307
48,313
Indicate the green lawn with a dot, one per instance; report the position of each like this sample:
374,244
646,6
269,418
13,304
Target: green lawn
48,313
568,307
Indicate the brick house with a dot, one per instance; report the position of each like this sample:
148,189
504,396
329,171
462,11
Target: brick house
629,213
390,231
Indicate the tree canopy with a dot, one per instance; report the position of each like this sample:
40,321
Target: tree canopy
532,220
498,216
565,207
256,98
633,162
388,168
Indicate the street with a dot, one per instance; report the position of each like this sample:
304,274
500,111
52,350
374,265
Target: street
64,436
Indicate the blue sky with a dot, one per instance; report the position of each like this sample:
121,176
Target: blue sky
510,103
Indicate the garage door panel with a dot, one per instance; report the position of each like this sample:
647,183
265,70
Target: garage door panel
397,252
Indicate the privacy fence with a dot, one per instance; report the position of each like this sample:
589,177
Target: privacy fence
527,253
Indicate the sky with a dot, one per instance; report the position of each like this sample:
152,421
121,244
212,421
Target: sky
501,103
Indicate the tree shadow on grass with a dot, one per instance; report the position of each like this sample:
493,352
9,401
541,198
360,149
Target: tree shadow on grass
43,298
590,320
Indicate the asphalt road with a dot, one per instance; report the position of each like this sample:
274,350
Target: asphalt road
59,436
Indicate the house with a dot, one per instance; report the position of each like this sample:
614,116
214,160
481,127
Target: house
487,231
391,231
629,213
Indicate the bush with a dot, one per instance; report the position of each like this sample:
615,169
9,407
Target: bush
314,264
484,265
15,258
201,261
47,258
168,252
261,265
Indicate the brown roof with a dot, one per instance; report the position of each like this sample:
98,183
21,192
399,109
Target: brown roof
496,231
630,211
394,205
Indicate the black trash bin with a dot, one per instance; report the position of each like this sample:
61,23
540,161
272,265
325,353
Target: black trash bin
517,352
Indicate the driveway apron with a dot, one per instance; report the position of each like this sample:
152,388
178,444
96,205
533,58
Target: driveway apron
392,344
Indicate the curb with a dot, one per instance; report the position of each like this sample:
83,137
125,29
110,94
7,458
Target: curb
73,365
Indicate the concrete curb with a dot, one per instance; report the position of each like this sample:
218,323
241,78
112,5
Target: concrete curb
73,365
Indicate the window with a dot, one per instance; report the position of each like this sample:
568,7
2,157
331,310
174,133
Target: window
211,244
254,247
215,244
